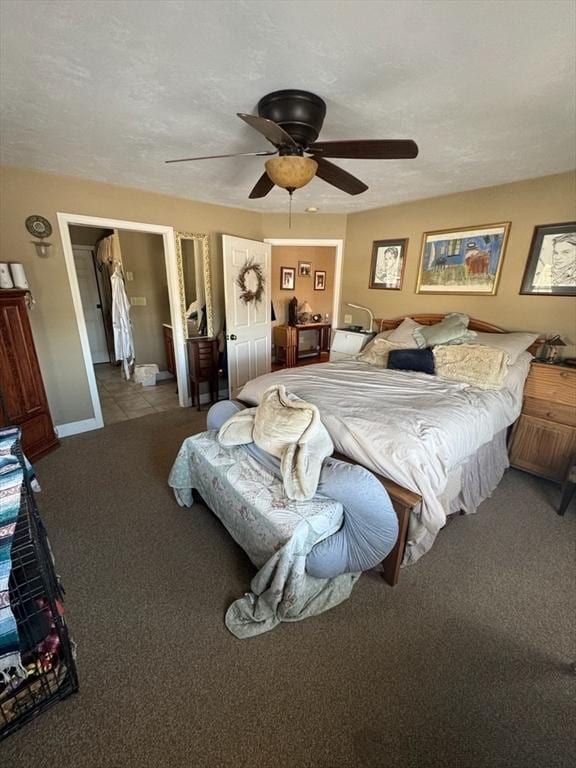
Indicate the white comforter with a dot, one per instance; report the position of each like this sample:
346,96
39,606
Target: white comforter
412,428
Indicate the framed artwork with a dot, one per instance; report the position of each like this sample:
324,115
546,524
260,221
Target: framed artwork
465,261
304,269
319,280
287,278
551,266
388,259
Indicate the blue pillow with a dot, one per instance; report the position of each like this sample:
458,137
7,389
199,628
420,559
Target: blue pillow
420,360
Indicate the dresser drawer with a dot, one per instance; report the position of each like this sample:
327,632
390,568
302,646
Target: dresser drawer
542,409
554,384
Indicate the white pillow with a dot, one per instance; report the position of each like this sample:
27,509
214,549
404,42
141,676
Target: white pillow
513,343
404,333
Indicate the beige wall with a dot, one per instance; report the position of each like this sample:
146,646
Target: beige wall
23,193
87,235
526,204
321,258
143,256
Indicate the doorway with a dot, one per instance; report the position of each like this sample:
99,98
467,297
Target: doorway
146,287
101,386
308,271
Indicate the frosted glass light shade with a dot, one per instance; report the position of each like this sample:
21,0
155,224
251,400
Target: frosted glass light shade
291,171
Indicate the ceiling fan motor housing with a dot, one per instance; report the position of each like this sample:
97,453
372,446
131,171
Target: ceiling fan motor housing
299,113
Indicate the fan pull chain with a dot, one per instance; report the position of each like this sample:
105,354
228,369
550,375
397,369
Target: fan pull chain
290,192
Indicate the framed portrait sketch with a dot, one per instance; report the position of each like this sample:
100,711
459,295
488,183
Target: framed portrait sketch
320,280
551,266
287,278
388,259
304,269
466,260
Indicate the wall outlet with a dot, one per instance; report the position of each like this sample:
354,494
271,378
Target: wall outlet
347,319
138,301
129,277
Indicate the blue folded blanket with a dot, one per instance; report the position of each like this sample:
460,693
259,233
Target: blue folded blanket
370,527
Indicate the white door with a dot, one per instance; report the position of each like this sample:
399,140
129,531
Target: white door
248,323
91,304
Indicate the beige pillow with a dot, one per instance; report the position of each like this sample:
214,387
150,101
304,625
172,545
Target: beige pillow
484,367
378,353
383,335
404,333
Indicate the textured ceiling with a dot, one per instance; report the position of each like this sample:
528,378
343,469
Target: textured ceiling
109,90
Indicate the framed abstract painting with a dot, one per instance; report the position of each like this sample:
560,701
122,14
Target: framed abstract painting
551,266
466,261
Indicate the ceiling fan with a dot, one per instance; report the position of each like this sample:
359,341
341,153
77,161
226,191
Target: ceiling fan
291,120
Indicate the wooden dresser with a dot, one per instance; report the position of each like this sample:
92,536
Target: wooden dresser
22,396
543,440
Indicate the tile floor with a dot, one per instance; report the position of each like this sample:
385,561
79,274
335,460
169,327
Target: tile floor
122,400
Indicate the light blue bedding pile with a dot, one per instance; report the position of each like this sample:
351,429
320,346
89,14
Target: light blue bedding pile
310,553
276,533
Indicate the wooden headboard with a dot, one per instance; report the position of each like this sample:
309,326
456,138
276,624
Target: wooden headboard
474,325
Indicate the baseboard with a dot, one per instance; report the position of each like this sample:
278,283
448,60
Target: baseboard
76,427
161,375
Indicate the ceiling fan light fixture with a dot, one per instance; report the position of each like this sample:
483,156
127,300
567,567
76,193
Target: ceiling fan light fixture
291,171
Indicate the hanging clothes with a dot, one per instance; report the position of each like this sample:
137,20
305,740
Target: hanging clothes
123,341
109,252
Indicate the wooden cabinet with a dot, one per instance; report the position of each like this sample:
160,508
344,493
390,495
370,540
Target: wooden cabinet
22,396
286,339
169,348
202,367
543,440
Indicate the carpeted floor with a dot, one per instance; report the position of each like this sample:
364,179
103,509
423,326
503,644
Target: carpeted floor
465,664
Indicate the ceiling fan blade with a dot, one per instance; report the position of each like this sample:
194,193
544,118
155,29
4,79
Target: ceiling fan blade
372,149
273,132
338,177
262,187
215,157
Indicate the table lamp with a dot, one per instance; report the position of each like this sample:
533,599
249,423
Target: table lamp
358,306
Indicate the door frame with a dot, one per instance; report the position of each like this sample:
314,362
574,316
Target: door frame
65,220
324,243
91,250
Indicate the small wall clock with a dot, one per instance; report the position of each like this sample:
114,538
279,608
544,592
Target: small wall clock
38,226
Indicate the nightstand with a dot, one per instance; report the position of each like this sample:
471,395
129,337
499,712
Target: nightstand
543,440
346,344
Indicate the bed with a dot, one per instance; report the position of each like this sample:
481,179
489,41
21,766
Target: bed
437,446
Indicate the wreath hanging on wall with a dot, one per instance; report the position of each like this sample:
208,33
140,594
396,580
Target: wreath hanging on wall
251,282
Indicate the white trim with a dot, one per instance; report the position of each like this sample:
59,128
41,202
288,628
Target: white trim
76,427
67,219
339,245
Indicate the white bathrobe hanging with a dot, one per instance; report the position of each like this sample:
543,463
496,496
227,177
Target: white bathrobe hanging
123,341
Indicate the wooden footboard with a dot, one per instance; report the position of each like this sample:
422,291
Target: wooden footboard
403,502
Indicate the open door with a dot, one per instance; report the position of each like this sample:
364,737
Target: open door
248,322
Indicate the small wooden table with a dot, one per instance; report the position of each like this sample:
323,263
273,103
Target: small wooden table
287,341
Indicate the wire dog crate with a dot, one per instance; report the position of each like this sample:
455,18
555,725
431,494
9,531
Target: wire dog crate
35,596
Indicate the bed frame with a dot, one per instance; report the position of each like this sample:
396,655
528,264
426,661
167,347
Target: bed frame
403,500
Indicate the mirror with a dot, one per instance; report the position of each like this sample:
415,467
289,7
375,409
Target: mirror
195,284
